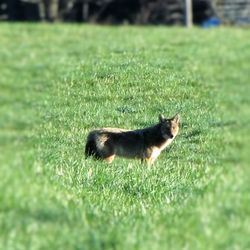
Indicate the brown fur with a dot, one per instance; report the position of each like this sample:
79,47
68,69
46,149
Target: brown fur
145,144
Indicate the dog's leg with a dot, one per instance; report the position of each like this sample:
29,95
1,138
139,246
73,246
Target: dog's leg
110,158
149,161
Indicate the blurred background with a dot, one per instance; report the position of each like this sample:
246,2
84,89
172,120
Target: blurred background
167,12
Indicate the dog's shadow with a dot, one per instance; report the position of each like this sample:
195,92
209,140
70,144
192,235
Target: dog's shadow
193,133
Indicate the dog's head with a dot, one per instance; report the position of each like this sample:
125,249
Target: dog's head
169,127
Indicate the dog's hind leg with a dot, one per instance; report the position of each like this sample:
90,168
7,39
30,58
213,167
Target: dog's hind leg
110,158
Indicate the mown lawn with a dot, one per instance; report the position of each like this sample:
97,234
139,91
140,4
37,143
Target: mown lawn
57,82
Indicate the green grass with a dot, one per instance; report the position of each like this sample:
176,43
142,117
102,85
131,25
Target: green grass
60,81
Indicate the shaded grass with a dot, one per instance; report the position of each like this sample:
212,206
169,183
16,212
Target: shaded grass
63,80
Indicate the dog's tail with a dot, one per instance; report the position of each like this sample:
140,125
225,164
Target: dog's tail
91,149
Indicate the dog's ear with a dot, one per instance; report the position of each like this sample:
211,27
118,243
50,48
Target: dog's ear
176,118
161,118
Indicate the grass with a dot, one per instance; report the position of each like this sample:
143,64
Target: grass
60,81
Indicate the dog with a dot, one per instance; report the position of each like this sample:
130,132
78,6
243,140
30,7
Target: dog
145,144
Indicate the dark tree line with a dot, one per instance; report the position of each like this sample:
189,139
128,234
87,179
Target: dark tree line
104,11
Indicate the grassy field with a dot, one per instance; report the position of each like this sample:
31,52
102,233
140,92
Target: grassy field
58,82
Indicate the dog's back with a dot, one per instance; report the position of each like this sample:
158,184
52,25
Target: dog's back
104,142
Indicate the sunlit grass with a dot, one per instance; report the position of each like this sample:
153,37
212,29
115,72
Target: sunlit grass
60,81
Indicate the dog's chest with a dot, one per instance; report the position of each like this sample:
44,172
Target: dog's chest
165,144
156,150
155,153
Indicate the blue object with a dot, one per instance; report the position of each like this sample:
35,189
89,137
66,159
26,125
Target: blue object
211,22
